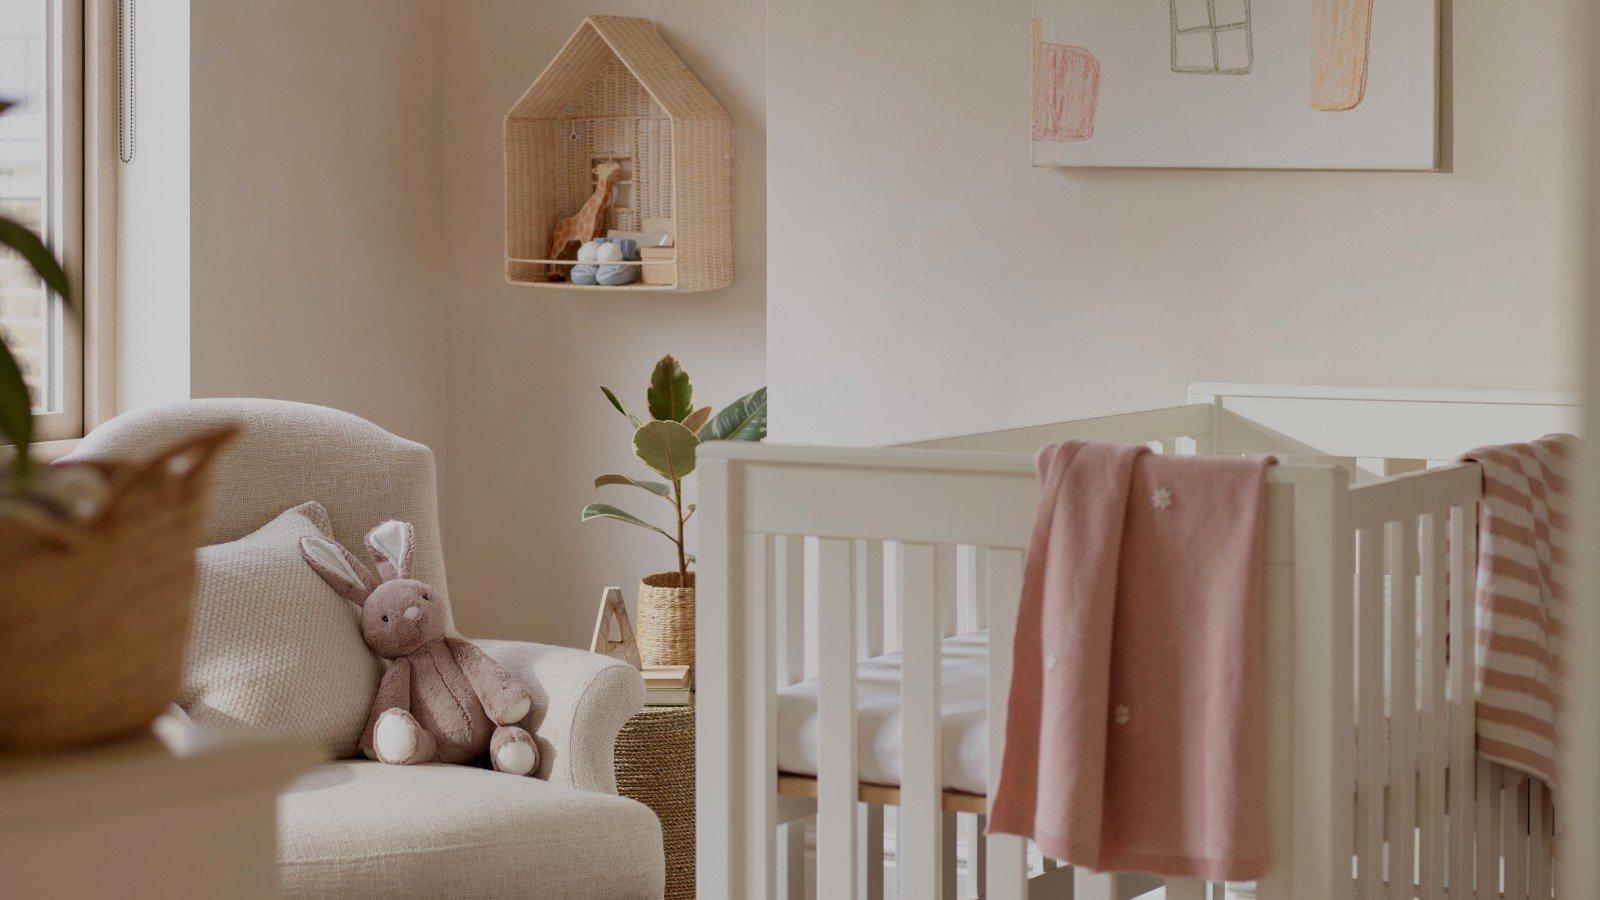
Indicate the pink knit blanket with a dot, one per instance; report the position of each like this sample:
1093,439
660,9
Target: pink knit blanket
1522,564
1134,728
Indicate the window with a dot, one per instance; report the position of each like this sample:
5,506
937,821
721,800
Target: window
41,185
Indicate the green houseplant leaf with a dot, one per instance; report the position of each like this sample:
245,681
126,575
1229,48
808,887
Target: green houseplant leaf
30,247
16,421
607,511
654,487
667,447
620,408
671,397
698,419
745,419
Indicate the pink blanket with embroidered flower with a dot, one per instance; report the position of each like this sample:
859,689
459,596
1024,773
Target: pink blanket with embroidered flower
1134,728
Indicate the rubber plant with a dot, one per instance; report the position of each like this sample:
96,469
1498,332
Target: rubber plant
16,403
666,444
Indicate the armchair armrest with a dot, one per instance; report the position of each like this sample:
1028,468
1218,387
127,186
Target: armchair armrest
580,702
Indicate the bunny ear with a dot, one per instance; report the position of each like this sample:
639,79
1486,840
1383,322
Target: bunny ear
394,544
343,572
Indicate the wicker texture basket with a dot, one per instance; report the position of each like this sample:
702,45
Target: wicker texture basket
655,765
617,91
666,621
94,616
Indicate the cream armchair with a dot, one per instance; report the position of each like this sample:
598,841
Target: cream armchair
356,827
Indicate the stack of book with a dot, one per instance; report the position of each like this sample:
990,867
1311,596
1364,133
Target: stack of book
667,686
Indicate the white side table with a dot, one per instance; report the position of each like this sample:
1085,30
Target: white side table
132,819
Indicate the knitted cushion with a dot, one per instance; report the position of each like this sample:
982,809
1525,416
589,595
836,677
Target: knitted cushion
271,646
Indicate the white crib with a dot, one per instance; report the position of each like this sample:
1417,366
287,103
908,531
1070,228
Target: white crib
813,559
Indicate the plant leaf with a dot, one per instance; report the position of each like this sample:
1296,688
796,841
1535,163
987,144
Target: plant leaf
22,239
654,487
745,419
620,408
698,419
607,511
16,422
670,395
667,447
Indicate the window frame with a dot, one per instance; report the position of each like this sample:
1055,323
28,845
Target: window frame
64,203
83,123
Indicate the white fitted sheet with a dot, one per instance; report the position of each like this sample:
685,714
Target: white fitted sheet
963,713
963,703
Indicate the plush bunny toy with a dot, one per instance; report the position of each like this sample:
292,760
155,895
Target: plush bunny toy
441,699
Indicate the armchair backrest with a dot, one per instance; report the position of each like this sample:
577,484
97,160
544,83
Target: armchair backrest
287,453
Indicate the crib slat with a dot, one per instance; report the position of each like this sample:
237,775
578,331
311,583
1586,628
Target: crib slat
828,591
868,574
760,717
1488,831
1463,707
892,596
1434,727
921,781
1373,762
945,588
1401,547
869,598
789,619
1006,875
969,576
1323,744
1538,849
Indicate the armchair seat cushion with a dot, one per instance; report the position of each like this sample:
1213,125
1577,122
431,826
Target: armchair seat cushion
360,828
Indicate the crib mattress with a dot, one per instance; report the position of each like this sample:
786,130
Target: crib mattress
963,705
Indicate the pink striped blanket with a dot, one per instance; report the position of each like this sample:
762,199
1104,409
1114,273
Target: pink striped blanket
1522,560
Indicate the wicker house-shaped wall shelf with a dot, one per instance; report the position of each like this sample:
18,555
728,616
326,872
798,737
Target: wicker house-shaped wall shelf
616,93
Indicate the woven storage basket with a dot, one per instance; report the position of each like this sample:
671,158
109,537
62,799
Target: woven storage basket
666,621
94,616
655,766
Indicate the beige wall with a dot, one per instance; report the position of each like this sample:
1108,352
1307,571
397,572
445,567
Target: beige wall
317,206
924,280
528,429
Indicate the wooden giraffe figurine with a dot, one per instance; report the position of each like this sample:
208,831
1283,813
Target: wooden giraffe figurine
583,225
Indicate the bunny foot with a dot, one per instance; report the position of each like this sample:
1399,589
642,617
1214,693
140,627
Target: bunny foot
513,751
397,739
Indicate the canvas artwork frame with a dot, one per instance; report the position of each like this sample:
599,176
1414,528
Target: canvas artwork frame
1254,84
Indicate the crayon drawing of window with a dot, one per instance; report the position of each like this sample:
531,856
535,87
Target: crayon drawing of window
1211,37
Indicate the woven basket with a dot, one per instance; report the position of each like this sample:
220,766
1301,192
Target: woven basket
655,766
617,91
94,615
666,621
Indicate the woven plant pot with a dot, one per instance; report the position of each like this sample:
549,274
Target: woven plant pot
655,766
94,613
665,623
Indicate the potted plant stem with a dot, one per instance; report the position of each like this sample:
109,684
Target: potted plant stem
666,444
